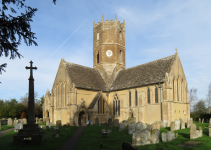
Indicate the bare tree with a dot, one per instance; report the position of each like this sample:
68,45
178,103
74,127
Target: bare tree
192,96
200,107
209,97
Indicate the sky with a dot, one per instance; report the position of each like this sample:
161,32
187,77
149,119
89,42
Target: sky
154,28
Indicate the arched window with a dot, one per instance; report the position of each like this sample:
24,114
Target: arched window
156,95
129,98
101,105
116,105
136,97
148,96
181,91
97,35
120,56
65,93
120,35
61,93
98,57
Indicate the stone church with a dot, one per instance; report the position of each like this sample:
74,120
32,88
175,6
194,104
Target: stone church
150,92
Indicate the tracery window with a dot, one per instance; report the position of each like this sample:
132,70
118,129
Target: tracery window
116,105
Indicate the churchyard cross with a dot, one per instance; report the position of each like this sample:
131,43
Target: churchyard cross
31,113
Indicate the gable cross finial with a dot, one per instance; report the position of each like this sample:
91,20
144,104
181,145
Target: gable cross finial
176,50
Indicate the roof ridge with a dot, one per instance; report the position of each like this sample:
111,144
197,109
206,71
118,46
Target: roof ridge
78,65
150,62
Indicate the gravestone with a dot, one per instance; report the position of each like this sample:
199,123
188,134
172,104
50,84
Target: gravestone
110,122
133,119
202,120
182,124
131,127
50,125
145,137
171,135
36,120
210,123
161,124
125,122
165,123
154,125
158,125
177,124
164,137
20,121
189,123
199,120
9,122
91,122
116,122
31,129
103,130
193,131
4,122
140,126
24,120
172,126
47,121
149,127
122,127
96,121
58,123
18,127
127,146
15,122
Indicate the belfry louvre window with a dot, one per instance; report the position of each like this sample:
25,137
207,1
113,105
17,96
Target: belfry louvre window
148,96
136,98
120,56
120,35
129,98
97,35
156,95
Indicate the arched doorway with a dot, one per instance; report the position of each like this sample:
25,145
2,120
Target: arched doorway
82,119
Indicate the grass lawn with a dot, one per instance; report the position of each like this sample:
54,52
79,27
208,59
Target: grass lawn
51,143
92,138
5,127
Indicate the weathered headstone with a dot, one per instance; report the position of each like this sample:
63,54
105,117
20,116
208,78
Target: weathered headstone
145,137
170,135
24,120
154,126
110,122
189,123
164,137
47,121
149,127
193,131
177,124
50,125
36,120
96,121
140,126
122,127
172,126
58,123
9,122
133,119
15,122
103,130
199,120
158,125
116,122
91,122
161,124
182,124
131,127
165,123
202,120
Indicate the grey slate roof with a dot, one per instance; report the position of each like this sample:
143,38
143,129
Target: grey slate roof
85,77
148,73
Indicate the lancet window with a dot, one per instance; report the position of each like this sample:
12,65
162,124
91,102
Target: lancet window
116,105
148,96
156,95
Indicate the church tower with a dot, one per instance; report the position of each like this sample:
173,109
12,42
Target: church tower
109,48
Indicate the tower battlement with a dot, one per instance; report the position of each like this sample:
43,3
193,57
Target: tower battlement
108,23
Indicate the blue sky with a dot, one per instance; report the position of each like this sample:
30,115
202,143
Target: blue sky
154,28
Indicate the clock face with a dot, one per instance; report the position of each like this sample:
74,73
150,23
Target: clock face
109,53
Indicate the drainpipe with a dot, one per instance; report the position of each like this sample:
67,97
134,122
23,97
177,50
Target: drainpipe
160,86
